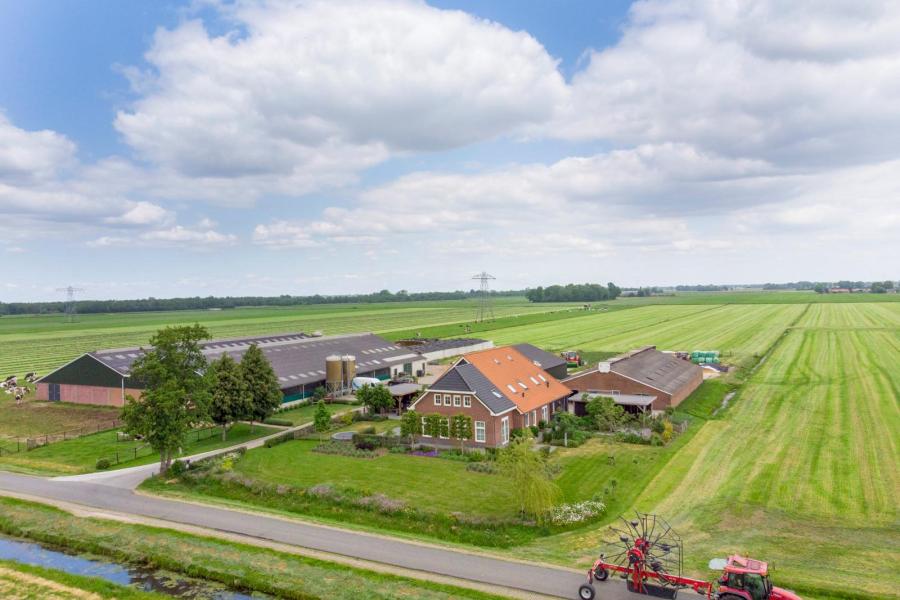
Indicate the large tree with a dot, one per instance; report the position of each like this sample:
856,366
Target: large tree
229,397
530,479
176,392
262,384
376,398
605,413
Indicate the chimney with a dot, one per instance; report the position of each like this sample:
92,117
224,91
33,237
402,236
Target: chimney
548,383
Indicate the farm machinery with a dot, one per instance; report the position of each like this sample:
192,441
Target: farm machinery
572,358
647,554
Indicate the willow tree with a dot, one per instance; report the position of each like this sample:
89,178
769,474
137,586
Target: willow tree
530,479
175,395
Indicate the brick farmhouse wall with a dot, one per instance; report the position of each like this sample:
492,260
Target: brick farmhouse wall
87,394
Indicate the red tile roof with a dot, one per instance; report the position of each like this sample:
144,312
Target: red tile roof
518,377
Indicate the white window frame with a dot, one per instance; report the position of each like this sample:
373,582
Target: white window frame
534,416
457,401
424,429
480,428
445,437
504,430
437,399
467,401
447,399
545,413
527,423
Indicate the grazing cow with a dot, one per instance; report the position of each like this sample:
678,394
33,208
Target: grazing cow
30,377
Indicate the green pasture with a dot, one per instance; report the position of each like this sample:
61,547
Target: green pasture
42,343
80,455
306,413
801,470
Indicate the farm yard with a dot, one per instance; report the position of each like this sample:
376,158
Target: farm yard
801,468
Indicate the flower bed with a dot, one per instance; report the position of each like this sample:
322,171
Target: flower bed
344,449
569,514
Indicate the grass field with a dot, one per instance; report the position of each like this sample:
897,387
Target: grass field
740,332
802,469
81,454
42,343
278,574
307,412
26,582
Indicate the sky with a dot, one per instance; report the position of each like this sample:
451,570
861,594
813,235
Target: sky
264,147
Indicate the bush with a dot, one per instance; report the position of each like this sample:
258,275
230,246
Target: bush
656,440
103,464
481,467
399,449
424,448
347,418
343,449
632,438
279,439
178,468
369,429
278,422
516,433
359,416
534,430
568,514
371,441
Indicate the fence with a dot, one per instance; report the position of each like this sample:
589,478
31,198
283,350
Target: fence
130,454
23,444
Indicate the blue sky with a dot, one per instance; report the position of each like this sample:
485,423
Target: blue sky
182,148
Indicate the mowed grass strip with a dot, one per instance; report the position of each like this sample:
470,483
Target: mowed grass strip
27,582
804,466
247,567
80,455
306,413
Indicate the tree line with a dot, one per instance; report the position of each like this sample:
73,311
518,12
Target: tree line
226,302
574,292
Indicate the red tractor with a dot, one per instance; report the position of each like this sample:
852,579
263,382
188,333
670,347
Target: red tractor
647,554
572,358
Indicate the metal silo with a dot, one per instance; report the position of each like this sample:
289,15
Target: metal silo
334,381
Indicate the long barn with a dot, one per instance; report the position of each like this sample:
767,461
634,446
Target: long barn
298,359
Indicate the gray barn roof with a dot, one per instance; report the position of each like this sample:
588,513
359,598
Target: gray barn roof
467,378
297,358
544,358
657,369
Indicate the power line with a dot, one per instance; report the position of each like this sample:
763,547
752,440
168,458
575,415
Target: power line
71,306
485,308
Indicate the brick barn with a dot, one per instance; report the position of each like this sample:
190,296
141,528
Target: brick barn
641,379
501,389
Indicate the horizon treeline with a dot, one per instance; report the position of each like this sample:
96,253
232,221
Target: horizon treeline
574,292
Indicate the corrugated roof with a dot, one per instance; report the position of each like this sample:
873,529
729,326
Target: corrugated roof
546,359
297,358
658,369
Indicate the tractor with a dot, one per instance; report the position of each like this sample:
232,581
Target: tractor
572,358
646,553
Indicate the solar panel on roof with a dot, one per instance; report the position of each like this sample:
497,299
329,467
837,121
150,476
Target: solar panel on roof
511,387
496,393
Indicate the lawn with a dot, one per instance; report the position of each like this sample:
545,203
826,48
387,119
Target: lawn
278,574
80,455
33,418
306,413
413,479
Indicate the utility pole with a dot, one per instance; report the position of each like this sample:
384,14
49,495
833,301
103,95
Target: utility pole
485,309
71,307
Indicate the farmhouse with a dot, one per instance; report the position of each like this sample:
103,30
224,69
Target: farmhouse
640,379
299,361
501,389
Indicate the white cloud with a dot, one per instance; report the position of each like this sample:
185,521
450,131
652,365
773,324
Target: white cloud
142,213
27,155
178,235
329,88
794,83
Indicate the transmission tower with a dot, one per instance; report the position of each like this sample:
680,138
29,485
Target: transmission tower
485,309
71,307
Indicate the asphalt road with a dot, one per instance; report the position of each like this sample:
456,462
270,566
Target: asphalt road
391,551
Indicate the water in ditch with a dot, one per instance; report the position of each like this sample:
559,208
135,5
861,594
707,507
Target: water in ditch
143,578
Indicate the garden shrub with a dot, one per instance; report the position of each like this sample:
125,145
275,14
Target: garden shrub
278,422
534,430
279,439
371,441
368,429
424,448
177,468
343,449
481,467
103,464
